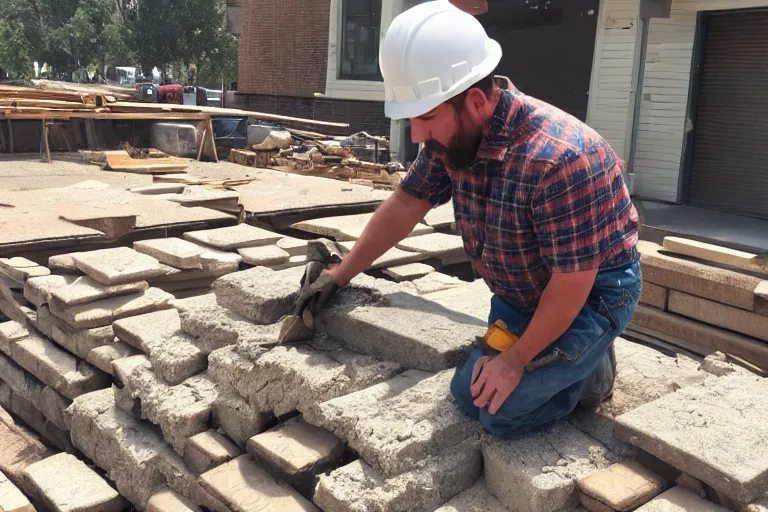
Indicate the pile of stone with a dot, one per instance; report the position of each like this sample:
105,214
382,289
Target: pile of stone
702,307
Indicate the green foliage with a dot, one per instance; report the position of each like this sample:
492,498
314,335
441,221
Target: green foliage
73,34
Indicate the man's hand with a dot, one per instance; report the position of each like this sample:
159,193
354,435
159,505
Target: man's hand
316,290
493,380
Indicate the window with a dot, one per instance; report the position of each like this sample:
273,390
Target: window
360,27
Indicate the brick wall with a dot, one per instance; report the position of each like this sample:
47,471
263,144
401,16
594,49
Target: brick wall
361,115
284,47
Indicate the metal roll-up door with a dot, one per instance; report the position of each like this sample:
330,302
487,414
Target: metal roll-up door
729,165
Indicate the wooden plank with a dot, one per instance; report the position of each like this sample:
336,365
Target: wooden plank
202,144
213,140
44,103
716,254
108,116
122,161
45,137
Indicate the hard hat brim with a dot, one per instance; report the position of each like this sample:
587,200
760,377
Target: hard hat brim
395,110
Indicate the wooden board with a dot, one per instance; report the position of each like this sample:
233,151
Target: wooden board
44,103
105,115
121,161
716,254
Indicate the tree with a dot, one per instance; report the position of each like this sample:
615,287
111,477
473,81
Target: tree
20,41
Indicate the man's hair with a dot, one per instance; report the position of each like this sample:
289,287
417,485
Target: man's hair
485,84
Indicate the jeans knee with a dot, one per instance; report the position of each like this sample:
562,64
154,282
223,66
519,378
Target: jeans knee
460,387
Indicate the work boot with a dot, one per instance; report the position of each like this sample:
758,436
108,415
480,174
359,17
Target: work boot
599,386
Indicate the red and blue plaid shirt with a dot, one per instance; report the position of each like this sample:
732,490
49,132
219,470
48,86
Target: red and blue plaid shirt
545,194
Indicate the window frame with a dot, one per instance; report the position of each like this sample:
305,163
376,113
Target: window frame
373,24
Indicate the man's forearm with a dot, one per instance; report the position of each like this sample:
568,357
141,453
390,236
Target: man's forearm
392,222
560,303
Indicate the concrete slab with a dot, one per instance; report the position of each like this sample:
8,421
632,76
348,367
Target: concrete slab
78,341
266,255
64,264
678,499
260,294
11,498
654,295
20,269
219,263
293,246
293,261
393,256
243,486
37,421
675,273
475,499
437,245
102,357
441,216
346,227
215,326
83,289
357,487
117,266
38,290
688,431
104,312
623,486
172,251
56,368
66,484
408,272
166,500
394,435
428,334
207,450
175,356
18,449
296,452
538,473
236,418
233,237
11,332
719,315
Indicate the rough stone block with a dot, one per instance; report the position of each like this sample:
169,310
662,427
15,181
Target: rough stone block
220,262
286,379
428,334
259,294
172,251
83,289
180,411
166,500
37,421
66,484
216,327
694,485
296,451
347,227
236,418
42,397
357,487
761,506
117,266
678,499
623,486
207,450
10,333
408,272
266,255
175,356
293,261
233,237
60,370
475,499
687,431
102,357
38,290
293,246
20,269
103,312
438,245
592,505
18,449
538,473
77,341
11,498
717,364
720,315
393,435
64,264
654,295
701,280
701,334
243,486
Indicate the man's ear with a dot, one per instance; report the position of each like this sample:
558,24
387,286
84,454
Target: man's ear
476,102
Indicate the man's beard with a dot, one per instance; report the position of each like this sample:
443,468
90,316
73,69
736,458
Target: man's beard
461,152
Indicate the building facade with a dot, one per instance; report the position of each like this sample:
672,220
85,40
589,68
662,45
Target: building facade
694,133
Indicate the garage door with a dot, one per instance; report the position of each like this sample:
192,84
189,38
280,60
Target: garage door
729,167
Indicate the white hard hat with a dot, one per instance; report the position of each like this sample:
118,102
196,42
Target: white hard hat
431,53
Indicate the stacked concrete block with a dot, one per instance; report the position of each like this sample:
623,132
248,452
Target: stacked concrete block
11,498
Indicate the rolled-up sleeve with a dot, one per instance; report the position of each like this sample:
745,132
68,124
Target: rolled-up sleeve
574,211
428,179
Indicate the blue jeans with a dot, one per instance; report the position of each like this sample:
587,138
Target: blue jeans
579,365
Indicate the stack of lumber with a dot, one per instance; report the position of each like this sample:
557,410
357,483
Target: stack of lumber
704,298
34,100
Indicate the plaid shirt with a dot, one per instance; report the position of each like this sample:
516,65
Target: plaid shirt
545,194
